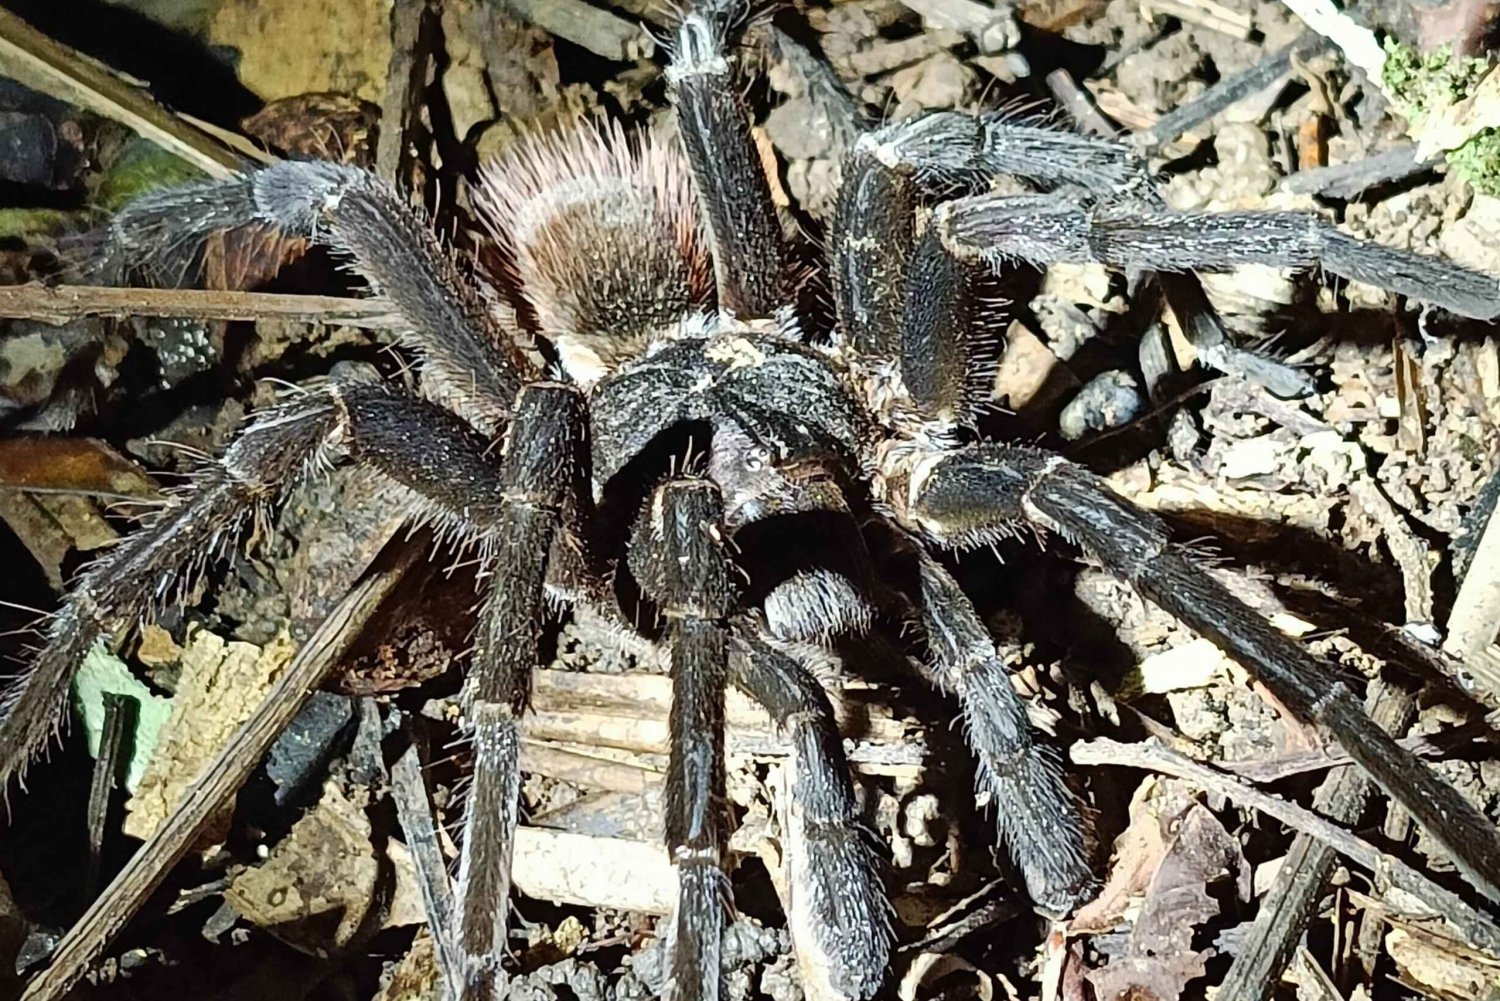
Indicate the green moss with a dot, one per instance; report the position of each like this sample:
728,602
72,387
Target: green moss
32,224
1424,83
141,166
1478,161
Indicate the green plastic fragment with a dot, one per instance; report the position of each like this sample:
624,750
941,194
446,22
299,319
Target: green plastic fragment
102,672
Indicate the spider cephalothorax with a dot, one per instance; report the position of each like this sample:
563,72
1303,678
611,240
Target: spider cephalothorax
657,278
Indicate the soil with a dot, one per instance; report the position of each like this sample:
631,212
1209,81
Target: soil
1348,514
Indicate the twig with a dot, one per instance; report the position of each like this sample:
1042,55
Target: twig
1348,180
592,771
404,77
1476,928
221,778
1358,43
1410,551
415,813
1294,895
628,712
993,29
1476,614
1226,92
119,711
1079,104
1458,739
62,303
604,34
41,64
590,871
1204,13
846,115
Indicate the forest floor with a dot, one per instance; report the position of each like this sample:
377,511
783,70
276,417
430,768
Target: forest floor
1344,493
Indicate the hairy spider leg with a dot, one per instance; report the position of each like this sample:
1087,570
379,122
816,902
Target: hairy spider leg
1109,171
979,492
875,232
898,295
538,472
836,908
471,362
753,389
451,470
749,257
677,556
471,359
138,572
512,502
1023,775
1122,212
975,494
1051,228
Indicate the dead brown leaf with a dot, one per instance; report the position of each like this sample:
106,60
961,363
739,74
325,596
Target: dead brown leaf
318,888
1411,428
1440,967
1172,851
71,465
46,490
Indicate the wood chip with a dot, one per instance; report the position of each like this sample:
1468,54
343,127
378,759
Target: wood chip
594,872
222,683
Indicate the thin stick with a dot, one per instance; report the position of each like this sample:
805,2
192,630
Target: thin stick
992,29
220,779
1262,771
119,710
1409,549
1347,180
42,64
1476,613
1360,46
415,813
1293,898
599,31
61,303
1227,92
403,85
1079,104
1476,928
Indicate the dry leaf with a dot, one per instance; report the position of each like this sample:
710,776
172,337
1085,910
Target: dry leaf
48,504
415,978
1451,127
1411,428
1172,851
72,465
318,887
1441,967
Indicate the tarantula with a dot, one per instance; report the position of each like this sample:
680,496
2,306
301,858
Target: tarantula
661,289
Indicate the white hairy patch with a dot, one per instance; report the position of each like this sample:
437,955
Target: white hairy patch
736,352
580,360
815,606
